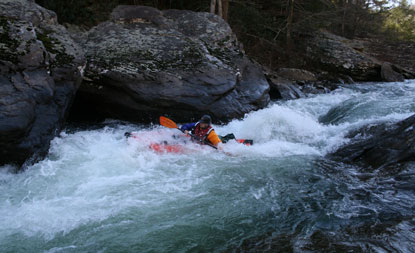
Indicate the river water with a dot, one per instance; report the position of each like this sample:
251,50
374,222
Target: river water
98,192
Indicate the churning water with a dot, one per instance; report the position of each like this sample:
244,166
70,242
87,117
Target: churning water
98,192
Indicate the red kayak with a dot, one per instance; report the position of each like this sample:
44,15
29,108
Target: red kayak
167,148
176,144
246,142
161,142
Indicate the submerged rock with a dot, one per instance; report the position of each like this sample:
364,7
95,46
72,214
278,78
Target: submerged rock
386,146
145,62
39,75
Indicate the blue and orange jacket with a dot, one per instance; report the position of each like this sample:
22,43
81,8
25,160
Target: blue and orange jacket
208,134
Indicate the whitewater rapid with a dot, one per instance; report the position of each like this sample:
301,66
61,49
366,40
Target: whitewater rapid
96,191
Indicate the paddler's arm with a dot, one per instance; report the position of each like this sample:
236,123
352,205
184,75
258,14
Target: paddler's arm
187,127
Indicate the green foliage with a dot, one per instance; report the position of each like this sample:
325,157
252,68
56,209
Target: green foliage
400,22
8,45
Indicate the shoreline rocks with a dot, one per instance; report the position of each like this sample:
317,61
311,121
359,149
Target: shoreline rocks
398,52
40,71
290,83
332,60
344,57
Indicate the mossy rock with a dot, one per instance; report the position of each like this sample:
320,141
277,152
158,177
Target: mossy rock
55,47
8,43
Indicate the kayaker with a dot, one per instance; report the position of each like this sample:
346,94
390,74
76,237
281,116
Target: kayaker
203,130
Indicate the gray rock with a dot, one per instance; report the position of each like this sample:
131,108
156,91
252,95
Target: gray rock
337,54
289,91
29,11
397,52
146,62
344,57
296,75
281,88
388,73
39,75
318,87
296,83
386,146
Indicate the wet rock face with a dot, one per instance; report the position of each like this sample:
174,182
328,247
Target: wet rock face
39,74
387,146
146,62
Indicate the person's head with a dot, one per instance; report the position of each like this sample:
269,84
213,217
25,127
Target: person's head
205,121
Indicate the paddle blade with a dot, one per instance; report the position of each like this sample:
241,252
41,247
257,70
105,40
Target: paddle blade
166,122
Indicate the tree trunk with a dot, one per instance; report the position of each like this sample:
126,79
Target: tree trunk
212,6
290,22
220,10
344,6
225,9
356,18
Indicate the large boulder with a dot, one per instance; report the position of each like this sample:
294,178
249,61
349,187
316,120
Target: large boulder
346,57
145,62
281,88
386,145
39,75
389,74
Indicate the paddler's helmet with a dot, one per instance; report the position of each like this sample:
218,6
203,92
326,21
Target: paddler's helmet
206,119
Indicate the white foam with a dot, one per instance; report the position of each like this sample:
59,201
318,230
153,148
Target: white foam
90,176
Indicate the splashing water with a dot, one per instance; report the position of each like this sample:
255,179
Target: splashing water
98,192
